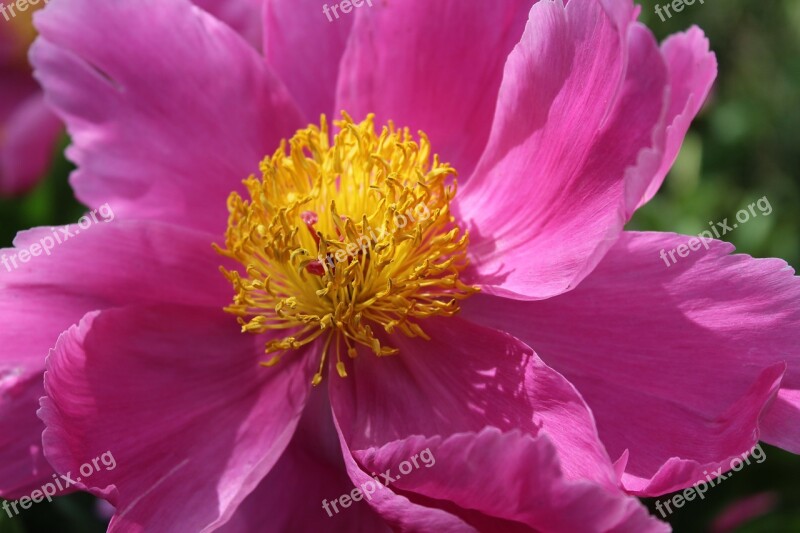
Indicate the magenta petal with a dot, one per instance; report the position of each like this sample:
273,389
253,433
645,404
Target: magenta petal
397,509
176,395
466,378
692,70
501,481
32,320
679,364
27,145
290,499
305,50
106,264
110,264
155,133
582,99
310,471
26,138
781,424
23,467
434,66
244,16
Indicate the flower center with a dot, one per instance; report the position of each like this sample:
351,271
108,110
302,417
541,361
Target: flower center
339,240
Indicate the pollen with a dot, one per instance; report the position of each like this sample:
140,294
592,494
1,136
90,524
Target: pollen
348,242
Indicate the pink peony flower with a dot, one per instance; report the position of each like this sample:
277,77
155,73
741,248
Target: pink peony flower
579,372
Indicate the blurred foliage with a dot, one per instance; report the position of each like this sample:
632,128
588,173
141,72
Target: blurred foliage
744,146
76,513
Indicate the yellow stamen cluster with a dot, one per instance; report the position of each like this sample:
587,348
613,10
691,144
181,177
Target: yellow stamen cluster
340,239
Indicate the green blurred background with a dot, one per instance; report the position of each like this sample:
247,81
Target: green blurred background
744,146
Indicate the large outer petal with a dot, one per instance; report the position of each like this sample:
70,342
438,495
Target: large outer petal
169,109
579,134
679,364
176,395
305,50
434,66
503,481
108,265
464,379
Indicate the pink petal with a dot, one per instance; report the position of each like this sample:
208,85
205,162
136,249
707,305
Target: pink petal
244,16
679,364
118,262
310,471
155,132
32,321
24,152
582,99
23,467
465,378
104,510
397,509
28,144
305,50
781,424
109,265
176,395
692,70
434,66
500,481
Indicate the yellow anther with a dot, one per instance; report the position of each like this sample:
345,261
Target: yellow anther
272,362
